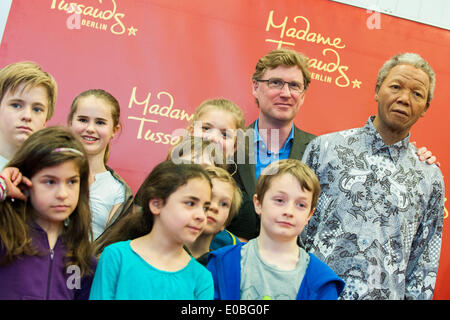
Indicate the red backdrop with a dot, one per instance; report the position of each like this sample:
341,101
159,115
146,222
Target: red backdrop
161,58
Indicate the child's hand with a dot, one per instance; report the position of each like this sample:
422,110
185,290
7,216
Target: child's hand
13,178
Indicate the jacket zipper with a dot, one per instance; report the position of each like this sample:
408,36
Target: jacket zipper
52,254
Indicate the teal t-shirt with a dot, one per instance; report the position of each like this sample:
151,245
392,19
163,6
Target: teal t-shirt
122,274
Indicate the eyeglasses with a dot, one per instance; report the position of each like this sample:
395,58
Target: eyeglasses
275,83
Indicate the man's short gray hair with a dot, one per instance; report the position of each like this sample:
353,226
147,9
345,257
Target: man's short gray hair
407,58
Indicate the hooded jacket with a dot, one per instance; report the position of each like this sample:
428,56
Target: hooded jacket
42,276
319,282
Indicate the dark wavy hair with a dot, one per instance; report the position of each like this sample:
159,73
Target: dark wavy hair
35,154
164,180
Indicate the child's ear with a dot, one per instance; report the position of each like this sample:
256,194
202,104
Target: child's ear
190,129
311,213
155,206
116,129
257,204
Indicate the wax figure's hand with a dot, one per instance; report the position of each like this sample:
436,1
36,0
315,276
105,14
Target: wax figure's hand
16,183
426,155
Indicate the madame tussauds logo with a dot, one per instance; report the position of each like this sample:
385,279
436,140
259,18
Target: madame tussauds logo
105,17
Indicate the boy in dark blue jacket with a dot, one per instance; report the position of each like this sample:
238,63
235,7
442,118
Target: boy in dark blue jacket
273,266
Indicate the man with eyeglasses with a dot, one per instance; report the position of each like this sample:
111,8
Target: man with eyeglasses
278,85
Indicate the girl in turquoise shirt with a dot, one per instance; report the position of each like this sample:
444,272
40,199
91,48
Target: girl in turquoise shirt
148,261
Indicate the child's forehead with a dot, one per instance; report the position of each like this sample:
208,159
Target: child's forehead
194,187
95,101
221,186
286,181
24,88
218,118
94,106
63,169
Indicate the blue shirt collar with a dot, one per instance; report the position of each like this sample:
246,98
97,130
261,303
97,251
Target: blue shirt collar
258,139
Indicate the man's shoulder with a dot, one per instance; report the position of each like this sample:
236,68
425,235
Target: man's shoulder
303,134
431,171
338,136
252,125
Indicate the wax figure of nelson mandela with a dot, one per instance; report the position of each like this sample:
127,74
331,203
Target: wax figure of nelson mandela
378,223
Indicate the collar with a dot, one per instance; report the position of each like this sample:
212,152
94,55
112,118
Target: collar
40,238
258,139
374,139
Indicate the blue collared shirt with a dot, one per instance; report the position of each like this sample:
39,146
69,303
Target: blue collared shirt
263,156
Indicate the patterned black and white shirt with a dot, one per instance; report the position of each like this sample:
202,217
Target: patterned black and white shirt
378,223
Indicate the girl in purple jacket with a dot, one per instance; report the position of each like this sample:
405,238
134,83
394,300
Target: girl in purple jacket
45,252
